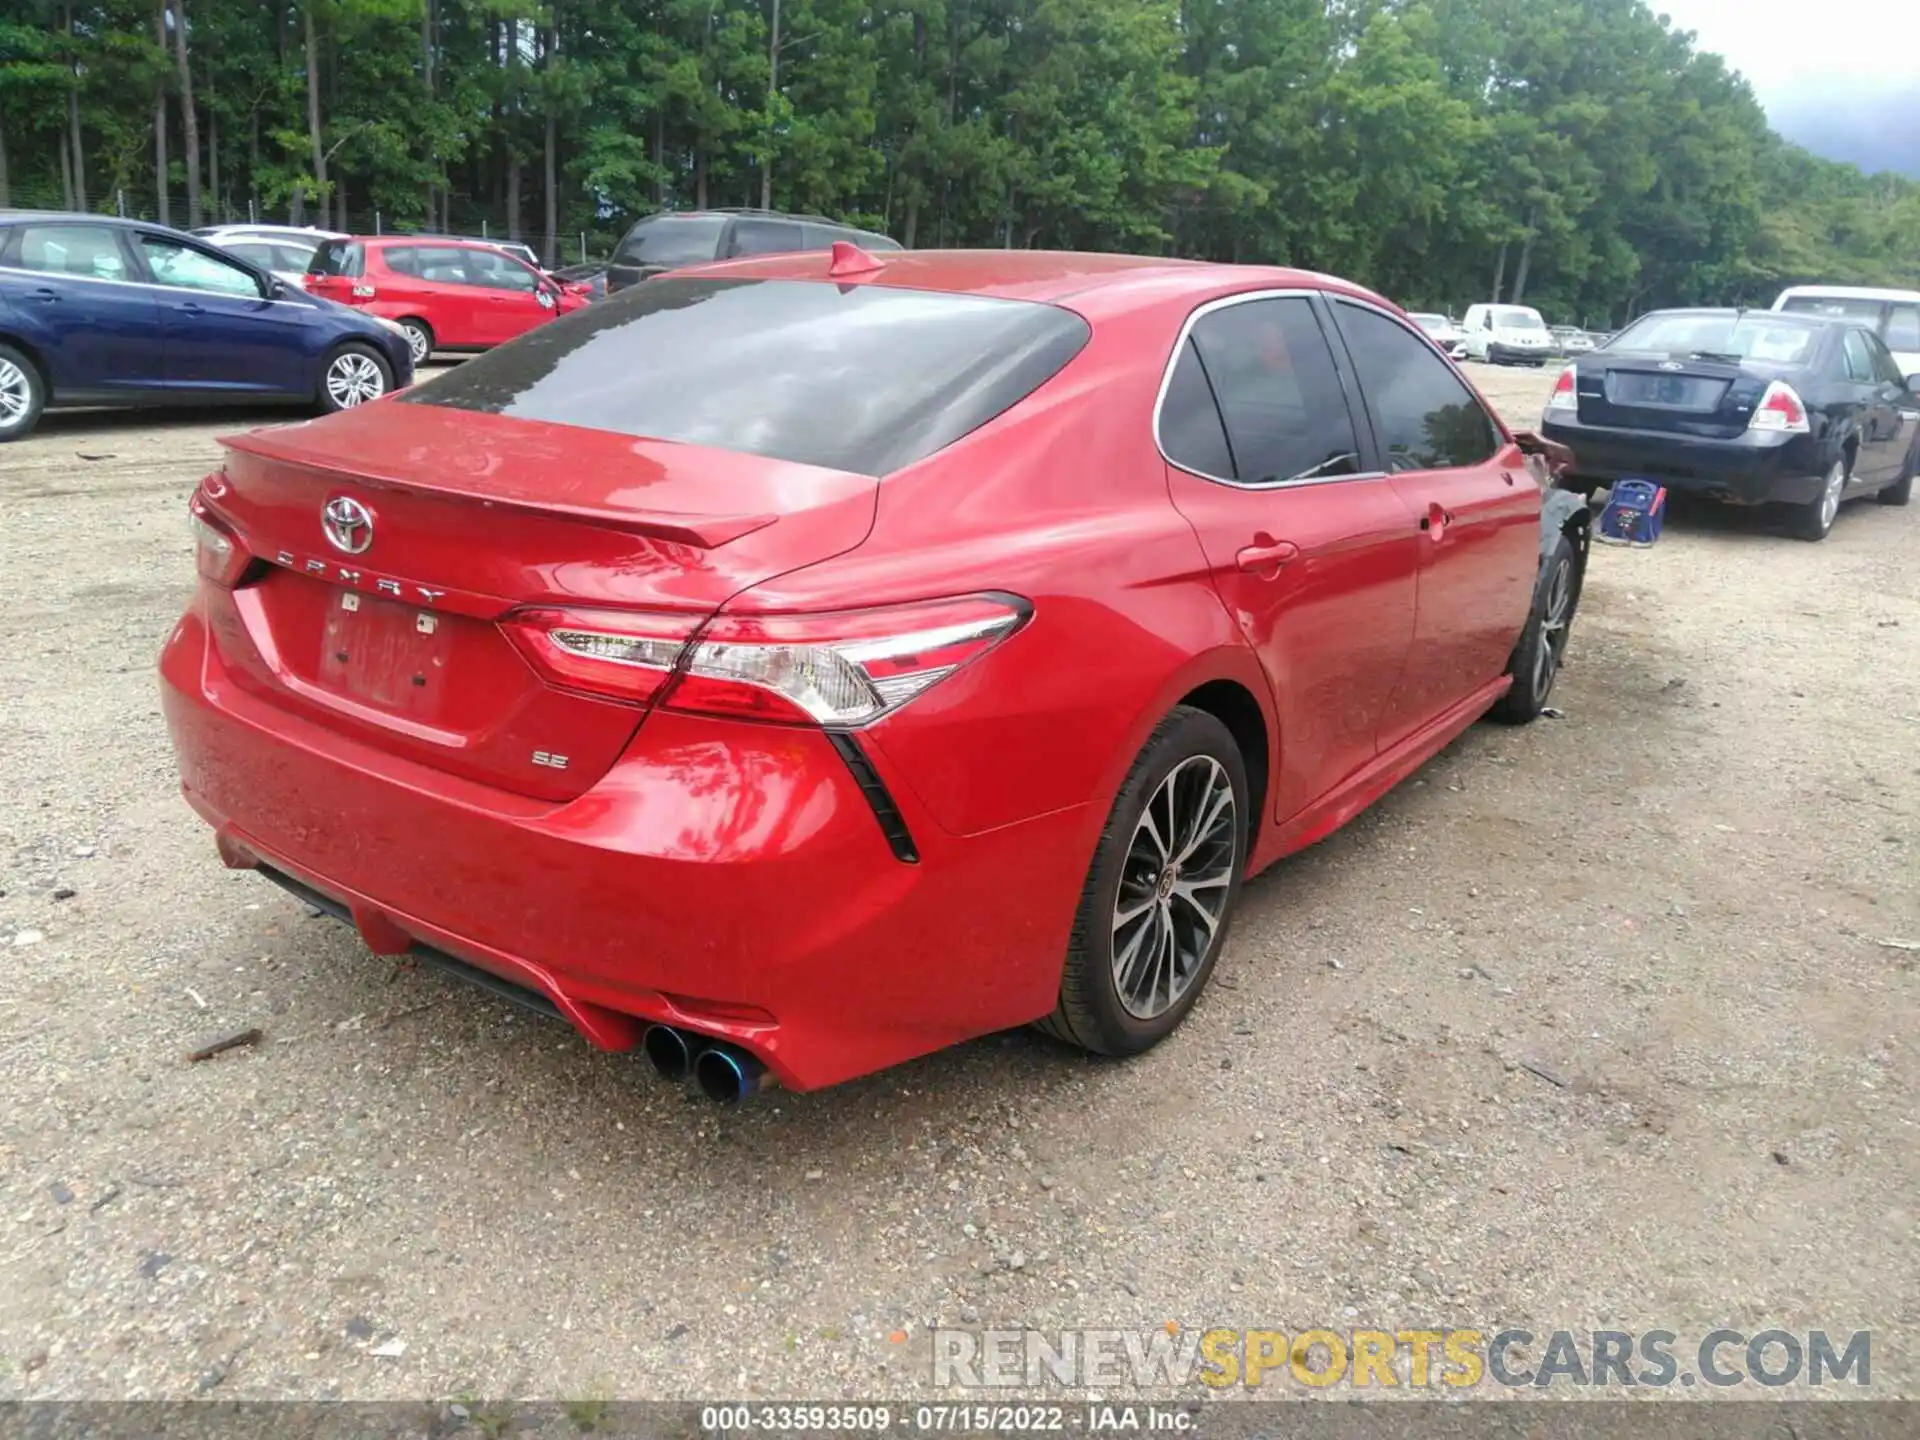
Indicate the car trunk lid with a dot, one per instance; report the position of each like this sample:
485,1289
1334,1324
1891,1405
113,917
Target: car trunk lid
1710,397
462,519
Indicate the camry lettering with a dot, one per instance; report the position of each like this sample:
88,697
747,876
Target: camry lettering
386,585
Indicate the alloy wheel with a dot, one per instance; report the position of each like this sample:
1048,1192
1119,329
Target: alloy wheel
417,343
353,379
16,394
1830,497
1555,617
1174,885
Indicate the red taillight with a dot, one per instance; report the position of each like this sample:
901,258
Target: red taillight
840,668
1564,392
619,654
217,552
362,290
1780,410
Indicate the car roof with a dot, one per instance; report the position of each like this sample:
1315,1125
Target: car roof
1772,317
1849,292
459,242
1110,283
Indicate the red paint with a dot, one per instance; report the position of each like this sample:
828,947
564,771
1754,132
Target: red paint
706,863
462,315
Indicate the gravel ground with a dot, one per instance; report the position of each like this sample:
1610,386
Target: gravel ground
1670,904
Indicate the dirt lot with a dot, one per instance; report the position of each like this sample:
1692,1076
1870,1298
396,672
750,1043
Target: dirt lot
1671,904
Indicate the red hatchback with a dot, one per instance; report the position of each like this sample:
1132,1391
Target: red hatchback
446,294
803,664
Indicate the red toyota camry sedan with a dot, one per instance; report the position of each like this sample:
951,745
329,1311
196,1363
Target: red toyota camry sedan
798,665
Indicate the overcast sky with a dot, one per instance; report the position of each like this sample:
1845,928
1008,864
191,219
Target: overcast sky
1842,77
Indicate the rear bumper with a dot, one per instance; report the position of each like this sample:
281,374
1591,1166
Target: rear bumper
1499,354
727,877
1749,469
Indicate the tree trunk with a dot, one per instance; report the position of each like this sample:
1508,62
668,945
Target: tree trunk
427,12
700,180
6,194
73,118
189,122
1526,264
913,220
66,174
659,156
213,149
163,206
313,110
1500,274
773,92
551,179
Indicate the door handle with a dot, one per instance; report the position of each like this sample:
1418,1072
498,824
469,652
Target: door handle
1266,554
191,308
44,295
1436,520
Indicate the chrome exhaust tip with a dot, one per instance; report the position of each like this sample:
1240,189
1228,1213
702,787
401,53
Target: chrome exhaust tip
670,1052
727,1075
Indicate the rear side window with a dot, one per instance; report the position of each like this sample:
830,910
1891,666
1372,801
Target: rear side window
1423,416
1903,328
769,237
672,240
499,271
1272,374
1192,434
1859,362
864,378
1885,367
338,257
89,251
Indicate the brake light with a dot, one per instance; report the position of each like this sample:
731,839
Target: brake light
217,553
1780,410
838,668
622,655
1565,396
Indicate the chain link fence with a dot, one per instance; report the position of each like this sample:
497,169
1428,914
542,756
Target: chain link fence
464,216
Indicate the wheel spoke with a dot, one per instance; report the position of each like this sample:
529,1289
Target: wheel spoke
1127,917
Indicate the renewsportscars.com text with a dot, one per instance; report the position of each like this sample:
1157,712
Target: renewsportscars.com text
1318,1359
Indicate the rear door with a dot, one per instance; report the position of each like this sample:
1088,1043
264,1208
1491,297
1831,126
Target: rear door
1903,408
440,289
1902,337
1878,421
223,331
70,285
1312,551
1477,508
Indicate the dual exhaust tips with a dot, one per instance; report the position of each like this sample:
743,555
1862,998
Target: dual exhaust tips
725,1073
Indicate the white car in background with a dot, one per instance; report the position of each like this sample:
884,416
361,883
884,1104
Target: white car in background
1442,330
1893,315
284,250
1507,335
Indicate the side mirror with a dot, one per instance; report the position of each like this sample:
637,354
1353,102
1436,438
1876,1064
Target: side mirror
547,301
1913,384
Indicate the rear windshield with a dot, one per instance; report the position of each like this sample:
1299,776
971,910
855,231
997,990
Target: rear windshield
863,377
1506,317
337,257
1749,336
1835,306
672,240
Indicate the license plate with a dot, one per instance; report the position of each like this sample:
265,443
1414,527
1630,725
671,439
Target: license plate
385,653
1671,392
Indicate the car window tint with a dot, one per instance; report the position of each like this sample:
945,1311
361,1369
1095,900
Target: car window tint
767,237
337,257
499,272
441,265
1858,361
1192,434
1273,376
1834,307
672,240
866,378
1885,367
173,264
257,251
1903,328
1423,415
91,251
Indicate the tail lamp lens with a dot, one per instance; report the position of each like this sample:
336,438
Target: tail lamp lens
838,668
1780,410
216,554
1565,395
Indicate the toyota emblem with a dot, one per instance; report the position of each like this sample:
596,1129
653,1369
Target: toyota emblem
348,524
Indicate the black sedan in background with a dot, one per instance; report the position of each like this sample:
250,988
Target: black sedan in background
1746,406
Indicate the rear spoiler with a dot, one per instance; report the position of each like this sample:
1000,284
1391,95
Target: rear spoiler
706,532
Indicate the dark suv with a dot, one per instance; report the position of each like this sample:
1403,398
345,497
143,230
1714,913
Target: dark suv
673,239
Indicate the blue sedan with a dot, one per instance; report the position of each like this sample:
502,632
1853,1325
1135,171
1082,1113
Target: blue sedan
100,311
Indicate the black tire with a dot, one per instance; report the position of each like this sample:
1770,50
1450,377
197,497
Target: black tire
23,394
1542,646
1814,519
351,375
1901,491
419,339
1091,1012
